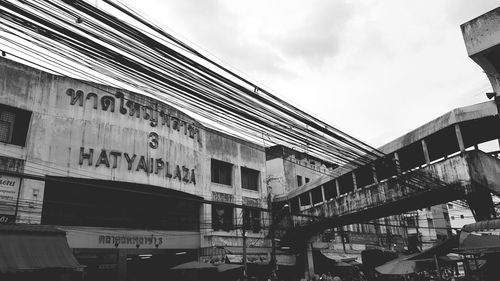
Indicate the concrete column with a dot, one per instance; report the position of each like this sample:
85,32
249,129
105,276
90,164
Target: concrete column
308,261
374,170
354,182
311,198
300,202
459,138
337,186
323,193
396,160
426,152
122,265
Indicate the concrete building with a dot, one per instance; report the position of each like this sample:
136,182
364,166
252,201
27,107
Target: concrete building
130,179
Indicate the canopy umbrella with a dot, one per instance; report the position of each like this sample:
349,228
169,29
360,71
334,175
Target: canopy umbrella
342,264
398,267
226,267
471,243
194,265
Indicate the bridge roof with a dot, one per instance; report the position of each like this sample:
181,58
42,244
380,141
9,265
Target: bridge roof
457,115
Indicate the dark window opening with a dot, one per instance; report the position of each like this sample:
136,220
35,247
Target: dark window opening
364,176
307,180
295,205
304,199
411,156
100,203
299,180
249,179
222,217
385,168
346,184
251,219
221,172
317,195
14,124
330,190
442,143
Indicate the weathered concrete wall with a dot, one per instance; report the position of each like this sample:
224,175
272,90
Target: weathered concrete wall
482,40
86,130
482,32
484,170
455,171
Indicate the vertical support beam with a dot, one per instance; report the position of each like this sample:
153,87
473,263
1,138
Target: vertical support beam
354,182
459,138
311,198
374,170
426,152
396,160
122,265
323,193
337,186
300,202
309,262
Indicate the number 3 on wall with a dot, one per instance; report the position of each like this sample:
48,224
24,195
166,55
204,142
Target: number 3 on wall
153,140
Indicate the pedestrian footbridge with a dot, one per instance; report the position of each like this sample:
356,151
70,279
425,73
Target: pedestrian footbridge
438,162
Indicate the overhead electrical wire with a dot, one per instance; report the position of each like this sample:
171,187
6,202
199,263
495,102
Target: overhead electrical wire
78,39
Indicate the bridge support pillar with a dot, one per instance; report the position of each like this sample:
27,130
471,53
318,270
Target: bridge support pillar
308,260
481,204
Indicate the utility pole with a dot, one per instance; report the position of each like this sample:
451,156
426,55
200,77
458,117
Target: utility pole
272,232
243,231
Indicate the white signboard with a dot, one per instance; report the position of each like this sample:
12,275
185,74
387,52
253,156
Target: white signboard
106,238
9,190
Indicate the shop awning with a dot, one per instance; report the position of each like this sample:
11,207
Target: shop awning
441,249
34,247
340,257
251,258
478,244
482,226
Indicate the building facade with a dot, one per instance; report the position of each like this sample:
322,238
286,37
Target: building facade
137,184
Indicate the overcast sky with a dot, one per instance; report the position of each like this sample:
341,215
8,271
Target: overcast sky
374,69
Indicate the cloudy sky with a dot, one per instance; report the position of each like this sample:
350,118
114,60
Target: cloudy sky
374,69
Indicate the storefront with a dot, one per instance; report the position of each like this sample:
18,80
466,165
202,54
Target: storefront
36,251
110,253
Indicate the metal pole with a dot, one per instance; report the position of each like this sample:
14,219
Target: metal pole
437,268
17,200
244,252
272,234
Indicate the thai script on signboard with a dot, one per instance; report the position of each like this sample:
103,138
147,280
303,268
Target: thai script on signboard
11,164
222,197
252,202
9,189
149,165
152,113
130,240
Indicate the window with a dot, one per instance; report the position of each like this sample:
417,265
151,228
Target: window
299,180
222,217
452,217
251,219
249,179
14,123
461,216
305,200
446,216
430,223
450,206
221,172
410,221
307,180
